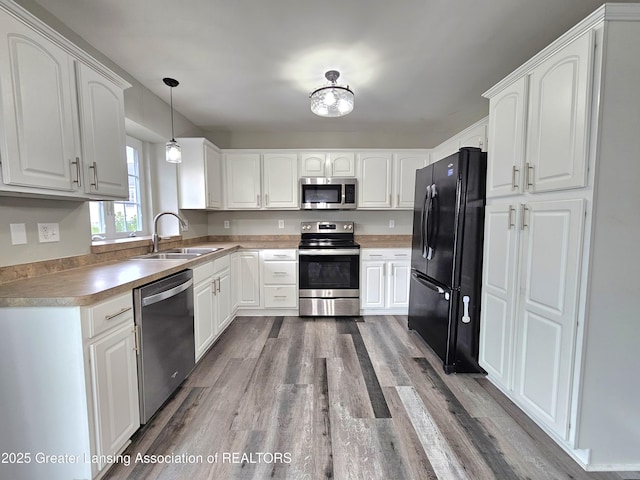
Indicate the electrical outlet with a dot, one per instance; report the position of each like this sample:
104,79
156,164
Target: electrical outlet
18,234
392,224
226,224
48,232
280,223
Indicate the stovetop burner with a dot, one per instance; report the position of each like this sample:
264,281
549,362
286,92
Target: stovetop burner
327,235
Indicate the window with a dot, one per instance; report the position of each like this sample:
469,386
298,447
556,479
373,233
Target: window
119,218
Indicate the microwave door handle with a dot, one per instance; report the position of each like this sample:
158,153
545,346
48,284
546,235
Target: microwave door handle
423,222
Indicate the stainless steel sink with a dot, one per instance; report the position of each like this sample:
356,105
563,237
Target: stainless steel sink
194,250
176,254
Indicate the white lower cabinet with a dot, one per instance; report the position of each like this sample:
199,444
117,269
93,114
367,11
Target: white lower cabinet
384,280
530,306
212,302
69,386
246,279
279,273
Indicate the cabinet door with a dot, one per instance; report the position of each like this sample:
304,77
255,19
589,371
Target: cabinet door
242,172
477,137
204,316
374,187
507,114
406,165
280,180
313,164
40,123
213,168
551,253
115,389
341,164
398,291
499,292
223,299
248,281
103,135
559,118
372,285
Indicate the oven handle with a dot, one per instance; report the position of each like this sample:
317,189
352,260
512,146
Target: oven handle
158,297
330,251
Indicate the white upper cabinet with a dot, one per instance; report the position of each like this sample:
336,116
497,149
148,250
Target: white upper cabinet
327,164
474,136
506,135
200,175
374,180
405,166
280,180
539,123
242,174
103,135
63,130
40,130
560,92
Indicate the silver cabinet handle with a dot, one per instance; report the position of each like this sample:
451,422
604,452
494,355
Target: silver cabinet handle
528,176
279,296
213,286
77,164
514,185
114,315
511,212
398,200
390,200
258,199
266,199
218,280
94,166
136,339
374,255
524,216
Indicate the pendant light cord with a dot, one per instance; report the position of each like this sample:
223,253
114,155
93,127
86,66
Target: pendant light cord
173,138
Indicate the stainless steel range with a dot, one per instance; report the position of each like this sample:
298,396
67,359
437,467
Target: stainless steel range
329,269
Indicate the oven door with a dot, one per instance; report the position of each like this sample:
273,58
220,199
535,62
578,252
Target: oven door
329,272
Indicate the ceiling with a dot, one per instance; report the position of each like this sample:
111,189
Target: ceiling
416,66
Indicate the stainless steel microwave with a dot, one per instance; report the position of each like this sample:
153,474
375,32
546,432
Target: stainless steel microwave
328,193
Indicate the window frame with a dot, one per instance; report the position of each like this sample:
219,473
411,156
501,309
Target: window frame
106,209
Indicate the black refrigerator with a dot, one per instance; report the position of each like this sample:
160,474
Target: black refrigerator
446,258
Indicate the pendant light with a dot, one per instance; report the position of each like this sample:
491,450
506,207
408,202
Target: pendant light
332,100
174,152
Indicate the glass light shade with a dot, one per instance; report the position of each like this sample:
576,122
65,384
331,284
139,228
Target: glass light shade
332,101
174,152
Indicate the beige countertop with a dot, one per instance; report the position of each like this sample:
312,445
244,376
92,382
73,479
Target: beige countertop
90,284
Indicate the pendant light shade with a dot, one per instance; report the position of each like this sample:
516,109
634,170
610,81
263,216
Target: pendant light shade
332,100
173,150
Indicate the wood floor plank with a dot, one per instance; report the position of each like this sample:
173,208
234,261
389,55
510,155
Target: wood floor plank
322,448
301,352
258,399
385,361
346,385
418,464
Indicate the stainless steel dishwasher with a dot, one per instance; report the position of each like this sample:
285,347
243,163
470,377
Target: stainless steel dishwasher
166,354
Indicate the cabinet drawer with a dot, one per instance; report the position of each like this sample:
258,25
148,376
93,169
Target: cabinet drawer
277,254
280,273
202,272
110,313
280,297
221,263
385,254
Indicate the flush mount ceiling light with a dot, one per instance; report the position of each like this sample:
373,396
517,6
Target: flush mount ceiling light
332,100
174,152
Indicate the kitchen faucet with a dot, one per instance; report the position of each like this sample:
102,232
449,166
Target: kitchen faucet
155,238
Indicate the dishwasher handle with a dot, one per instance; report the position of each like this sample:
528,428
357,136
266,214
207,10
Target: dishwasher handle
172,292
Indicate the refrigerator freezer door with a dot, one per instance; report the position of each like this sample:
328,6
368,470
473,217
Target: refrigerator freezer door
430,313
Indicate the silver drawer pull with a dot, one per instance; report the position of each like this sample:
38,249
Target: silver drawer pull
401,255
279,273
281,255
374,255
114,315
279,296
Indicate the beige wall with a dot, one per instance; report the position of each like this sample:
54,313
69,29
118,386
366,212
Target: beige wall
264,222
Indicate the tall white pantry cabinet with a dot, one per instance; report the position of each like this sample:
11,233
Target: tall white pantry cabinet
560,329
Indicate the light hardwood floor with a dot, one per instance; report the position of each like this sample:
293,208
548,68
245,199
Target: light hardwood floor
346,398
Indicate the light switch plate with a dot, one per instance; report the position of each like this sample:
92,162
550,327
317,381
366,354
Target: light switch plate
48,232
280,223
18,234
392,224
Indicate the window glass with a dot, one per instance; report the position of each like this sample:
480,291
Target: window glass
119,218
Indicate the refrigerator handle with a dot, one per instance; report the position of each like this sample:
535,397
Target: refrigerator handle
431,286
423,222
